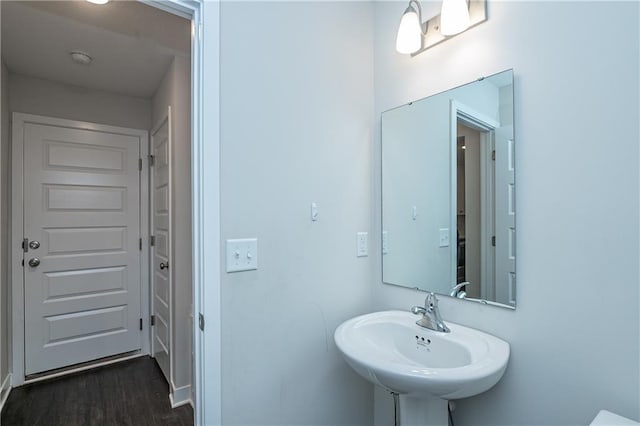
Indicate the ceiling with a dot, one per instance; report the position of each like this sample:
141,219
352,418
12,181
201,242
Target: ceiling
132,44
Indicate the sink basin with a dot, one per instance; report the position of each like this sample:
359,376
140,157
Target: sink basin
391,350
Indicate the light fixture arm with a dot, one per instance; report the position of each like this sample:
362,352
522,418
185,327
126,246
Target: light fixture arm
417,3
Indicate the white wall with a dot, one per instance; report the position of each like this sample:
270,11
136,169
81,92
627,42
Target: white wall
42,97
575,333
175,91
296,127
416,174
506,105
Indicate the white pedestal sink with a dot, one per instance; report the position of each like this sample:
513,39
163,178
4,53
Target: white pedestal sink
426,368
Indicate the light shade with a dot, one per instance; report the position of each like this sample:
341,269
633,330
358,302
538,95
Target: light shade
409,39
98,1
454,17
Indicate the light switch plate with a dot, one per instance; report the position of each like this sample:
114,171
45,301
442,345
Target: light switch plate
363,244
444,237
242,254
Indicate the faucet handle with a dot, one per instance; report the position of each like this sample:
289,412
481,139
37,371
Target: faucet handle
416,310
431,301
431,317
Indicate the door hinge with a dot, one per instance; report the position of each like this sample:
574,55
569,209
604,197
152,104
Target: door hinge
493,241
152,240
140,164
493,155
151,160
140,323
153,320
140,241
25,245
23,263
201,321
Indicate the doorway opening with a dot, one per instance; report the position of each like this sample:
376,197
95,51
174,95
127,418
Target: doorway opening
108,269
474,215
482,179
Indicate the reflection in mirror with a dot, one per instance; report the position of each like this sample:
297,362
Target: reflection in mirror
448,193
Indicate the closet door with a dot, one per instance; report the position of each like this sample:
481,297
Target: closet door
505,216
161,255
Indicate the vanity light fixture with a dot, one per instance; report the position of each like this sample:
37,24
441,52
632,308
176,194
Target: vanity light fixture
456,16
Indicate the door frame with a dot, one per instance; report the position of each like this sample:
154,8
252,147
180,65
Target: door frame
18,338
207,376
205,190
485,125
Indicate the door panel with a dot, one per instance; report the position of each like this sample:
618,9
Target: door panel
161,255
505,216
81,283
82,203
86,240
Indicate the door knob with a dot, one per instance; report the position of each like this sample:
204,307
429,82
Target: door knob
164,265
34,261
34,244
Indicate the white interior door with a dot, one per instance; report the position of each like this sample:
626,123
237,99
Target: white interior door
505,225
82,284
161,250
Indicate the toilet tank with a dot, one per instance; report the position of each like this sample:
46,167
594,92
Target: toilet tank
607,418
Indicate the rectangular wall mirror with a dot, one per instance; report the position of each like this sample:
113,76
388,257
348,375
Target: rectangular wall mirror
448,193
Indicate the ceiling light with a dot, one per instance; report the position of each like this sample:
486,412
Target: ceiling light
98,1
81,57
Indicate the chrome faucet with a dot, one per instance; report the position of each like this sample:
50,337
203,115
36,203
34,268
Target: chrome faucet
431,318
457,291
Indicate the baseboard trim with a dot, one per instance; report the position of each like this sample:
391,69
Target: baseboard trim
89,366
180,396
5,389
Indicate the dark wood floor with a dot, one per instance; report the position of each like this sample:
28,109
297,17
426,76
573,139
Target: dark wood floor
128,393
